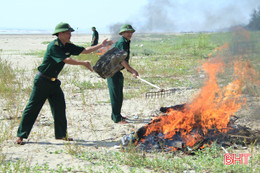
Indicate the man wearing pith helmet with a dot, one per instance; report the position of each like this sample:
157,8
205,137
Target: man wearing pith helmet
116,82
46,84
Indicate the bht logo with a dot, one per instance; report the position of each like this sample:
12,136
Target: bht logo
232,159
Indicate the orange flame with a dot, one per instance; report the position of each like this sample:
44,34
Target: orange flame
211,109
102,50
220,48
173,149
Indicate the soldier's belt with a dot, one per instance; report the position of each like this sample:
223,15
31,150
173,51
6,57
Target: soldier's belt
47,77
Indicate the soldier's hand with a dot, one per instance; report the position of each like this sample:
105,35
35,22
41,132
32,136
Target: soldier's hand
135,74
107,42
88,65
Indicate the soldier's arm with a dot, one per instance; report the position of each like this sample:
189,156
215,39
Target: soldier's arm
130,69
77,62
105,43
93,40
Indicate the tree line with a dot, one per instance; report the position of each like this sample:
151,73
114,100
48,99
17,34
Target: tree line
254,23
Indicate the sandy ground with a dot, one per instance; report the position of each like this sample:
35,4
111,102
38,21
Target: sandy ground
89,123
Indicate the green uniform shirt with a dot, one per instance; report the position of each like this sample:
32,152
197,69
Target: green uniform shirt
53,59
124,44
95,34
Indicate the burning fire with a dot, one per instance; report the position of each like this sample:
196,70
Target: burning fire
224,46
211,109
103,50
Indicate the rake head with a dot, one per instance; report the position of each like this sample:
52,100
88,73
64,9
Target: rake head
163,93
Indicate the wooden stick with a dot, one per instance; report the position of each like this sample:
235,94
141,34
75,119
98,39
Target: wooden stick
224,149
149,83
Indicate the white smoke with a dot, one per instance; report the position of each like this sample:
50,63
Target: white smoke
189,15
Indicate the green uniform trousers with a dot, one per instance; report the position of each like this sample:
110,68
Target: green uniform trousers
44,89
115,86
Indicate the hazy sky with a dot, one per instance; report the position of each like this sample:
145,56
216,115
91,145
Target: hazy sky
144,15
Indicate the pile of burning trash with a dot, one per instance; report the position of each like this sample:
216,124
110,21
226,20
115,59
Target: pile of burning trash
234,135
208,118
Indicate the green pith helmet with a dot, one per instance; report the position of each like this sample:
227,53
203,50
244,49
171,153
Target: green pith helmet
126,27
61,27
93,27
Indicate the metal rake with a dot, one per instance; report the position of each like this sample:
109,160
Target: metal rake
160,93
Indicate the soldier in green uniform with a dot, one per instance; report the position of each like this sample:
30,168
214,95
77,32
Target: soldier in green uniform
94,37
47,86
116,82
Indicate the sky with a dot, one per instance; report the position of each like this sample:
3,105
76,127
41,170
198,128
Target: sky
106,15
